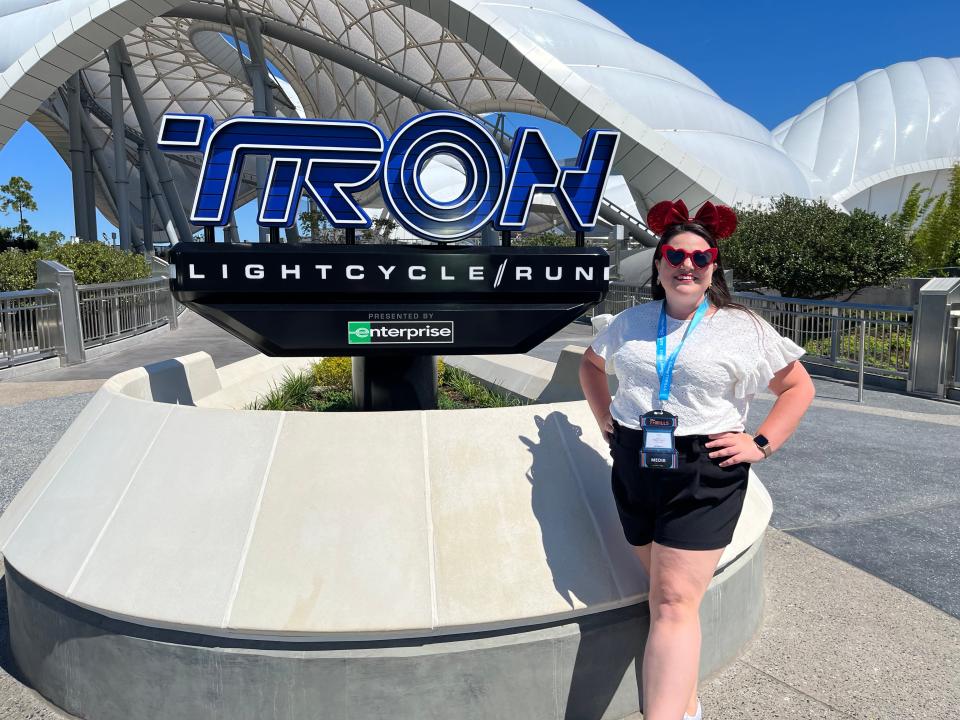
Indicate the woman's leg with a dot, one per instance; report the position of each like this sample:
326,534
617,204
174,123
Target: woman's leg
678,581
643,552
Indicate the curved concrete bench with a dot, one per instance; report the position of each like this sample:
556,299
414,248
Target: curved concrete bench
436,548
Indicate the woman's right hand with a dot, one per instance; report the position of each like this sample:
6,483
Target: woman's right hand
593,380
606,428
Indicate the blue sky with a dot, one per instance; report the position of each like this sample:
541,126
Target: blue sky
766,58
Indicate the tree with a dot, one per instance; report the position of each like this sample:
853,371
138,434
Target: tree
47,242
908,219
936,242
914,208
546,239
808,249
315,224
17,194
381,229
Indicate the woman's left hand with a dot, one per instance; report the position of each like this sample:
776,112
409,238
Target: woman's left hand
735,447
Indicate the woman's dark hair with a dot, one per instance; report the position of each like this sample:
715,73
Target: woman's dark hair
718,293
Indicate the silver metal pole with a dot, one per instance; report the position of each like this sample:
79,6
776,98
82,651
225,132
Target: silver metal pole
89,184
230,232
160,202
76,158
834,333
860,361
100,163
119,147
149,132
146,211
262,100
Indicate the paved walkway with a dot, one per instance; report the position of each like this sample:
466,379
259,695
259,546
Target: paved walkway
863,559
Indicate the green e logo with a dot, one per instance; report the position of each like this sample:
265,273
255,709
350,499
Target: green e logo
358,332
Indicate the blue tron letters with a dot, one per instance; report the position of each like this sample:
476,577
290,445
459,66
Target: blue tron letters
333,159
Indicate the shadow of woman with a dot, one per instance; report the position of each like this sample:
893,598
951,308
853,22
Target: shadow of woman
593,566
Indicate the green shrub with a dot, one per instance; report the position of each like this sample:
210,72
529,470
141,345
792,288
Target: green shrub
888,352
807,249
462,390
326,387
334,372
91,263
296,391
546,239
18,270
441,372
98,263
337,373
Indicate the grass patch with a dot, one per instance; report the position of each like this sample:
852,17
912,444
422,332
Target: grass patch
327,387
461,390
886,352
297,391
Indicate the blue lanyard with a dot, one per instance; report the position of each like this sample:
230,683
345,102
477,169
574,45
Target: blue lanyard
665,365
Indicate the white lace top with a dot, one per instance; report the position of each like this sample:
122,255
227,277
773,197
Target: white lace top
728,358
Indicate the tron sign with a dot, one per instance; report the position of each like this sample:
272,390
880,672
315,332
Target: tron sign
334,159
367,300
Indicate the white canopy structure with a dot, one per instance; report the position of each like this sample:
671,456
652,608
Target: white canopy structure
386,61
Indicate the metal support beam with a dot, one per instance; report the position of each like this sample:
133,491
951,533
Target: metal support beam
160,202
89,186
506,238
488,236
76,158
581,239
149,132
230,232
104,175
146,208
120,171
263,105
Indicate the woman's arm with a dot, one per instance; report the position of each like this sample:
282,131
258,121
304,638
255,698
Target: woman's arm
593,380
794,390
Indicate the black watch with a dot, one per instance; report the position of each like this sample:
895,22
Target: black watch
764,445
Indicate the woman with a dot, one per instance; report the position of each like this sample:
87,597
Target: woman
688,365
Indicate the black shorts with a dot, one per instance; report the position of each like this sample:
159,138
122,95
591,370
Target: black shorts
693,507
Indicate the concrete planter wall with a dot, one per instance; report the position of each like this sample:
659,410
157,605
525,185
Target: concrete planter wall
319,557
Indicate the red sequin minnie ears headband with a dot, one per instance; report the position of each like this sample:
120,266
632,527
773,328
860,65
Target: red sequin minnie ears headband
720,220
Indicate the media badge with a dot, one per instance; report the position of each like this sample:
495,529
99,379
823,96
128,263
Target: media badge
658,449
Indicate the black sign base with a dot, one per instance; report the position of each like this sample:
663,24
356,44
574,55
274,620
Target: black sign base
371,300
395,382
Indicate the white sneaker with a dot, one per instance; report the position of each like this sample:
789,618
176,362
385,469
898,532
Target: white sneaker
697,716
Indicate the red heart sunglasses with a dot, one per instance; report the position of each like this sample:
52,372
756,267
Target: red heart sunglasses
700,258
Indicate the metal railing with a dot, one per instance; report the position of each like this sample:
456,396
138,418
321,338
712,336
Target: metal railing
112,311
621,296
865,338
953,341
29,326
841,332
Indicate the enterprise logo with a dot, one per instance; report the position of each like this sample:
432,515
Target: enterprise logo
385,333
